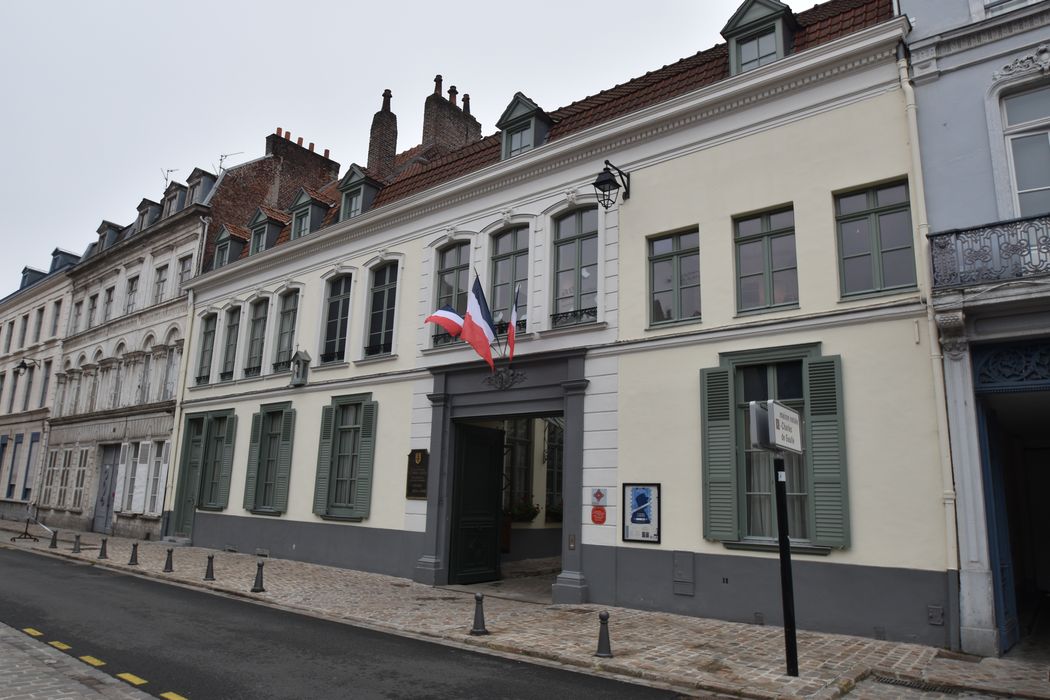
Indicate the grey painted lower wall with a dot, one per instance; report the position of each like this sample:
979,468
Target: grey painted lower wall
866,601
536,543
391,552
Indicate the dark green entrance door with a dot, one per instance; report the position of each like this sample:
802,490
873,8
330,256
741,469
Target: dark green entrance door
189,477
476,511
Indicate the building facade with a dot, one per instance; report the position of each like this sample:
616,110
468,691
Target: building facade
769,248
980,73
31,336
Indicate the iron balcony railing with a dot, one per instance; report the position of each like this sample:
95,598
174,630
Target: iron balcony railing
1006,250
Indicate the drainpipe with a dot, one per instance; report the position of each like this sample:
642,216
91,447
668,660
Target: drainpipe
936,358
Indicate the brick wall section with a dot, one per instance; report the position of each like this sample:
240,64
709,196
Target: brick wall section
272,181
445,124
382,141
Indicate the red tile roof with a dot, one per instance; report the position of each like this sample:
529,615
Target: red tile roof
818,25
275,214
238,231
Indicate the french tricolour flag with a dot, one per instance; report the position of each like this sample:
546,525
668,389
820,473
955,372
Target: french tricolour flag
447,318
512,329
478,327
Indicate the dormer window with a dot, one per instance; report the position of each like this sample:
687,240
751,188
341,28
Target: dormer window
191,194
222,254
258,240
301,224
228,246
351,204
759,33
524,126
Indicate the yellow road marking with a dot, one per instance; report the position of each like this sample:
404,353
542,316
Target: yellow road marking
132,678
93,661
60,645
172,696
32,632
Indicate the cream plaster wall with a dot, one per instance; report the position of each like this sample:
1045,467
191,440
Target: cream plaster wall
896,513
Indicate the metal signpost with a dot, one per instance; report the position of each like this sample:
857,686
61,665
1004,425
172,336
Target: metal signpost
775,427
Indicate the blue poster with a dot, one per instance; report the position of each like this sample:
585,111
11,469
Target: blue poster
642,513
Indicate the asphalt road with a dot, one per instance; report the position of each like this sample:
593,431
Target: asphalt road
199,645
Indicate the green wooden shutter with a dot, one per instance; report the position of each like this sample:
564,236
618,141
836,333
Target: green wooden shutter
252,472
284,461
719,455
365,458
227,461
324,461
826,448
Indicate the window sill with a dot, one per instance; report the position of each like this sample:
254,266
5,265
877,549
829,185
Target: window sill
330,365
267,511
764,546
376,358
213,509
342,518
578,328
877,294
766,310
673,324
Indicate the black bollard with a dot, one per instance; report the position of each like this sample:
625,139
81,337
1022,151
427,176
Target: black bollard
134,561
604,650
479,616
102,550
168,568
54,540
258,587
76,544
209,573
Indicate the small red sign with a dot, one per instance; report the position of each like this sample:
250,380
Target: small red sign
598,515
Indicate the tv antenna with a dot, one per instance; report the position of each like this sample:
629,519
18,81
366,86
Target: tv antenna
167,175
224,156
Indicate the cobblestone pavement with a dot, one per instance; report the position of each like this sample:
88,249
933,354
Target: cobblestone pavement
692,655
31,669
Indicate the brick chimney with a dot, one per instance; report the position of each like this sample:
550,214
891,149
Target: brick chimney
382,142
294,152
445,124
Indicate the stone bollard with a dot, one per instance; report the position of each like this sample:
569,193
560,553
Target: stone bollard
76,544
209,572
102,550
54,540
479,616
258,587
134,561
168,568
604,650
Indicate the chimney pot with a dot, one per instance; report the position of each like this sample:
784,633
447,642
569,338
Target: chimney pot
326,153
452,92
386,99
311,147
279,131
299,141
288,135
466,103
437,84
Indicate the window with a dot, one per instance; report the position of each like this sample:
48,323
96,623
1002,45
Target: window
209,450
875,239
738,483
553,455
517,463
510,270
107,304
757,50
258,240
286,331
453,277
301,224
74,326
351,204
256,338
191,194
14,390
27,394
576,268
79,476
27,486
38,326
158,470
674,277
3,456
207,347
129,297
229,354
160,283
63,481
185,271
336,320
134,464
345,457
1028,140
44,385
381,310
767,275
222,251
23,331
2,377
92,310
49,478
270,459
11,472
56,313
519,141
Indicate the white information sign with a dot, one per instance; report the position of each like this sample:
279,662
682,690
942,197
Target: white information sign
774,426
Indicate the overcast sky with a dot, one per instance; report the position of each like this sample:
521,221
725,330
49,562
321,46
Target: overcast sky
99,97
